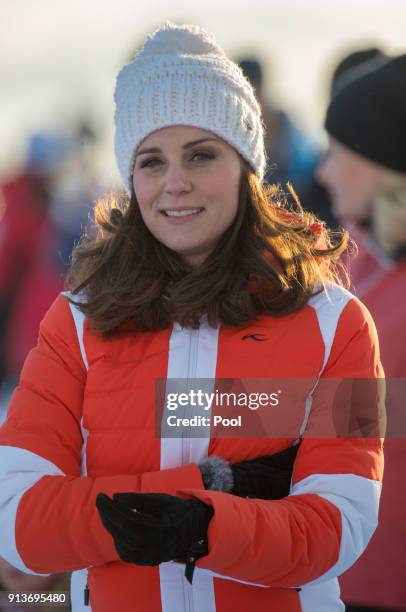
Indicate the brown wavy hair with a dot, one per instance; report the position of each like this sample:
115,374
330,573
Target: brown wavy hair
271,259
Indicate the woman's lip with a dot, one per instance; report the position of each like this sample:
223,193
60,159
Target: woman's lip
183,218
181,209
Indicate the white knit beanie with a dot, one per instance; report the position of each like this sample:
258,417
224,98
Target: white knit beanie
182,77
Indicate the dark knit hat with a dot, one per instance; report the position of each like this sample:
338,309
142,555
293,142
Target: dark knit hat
351,64
368,114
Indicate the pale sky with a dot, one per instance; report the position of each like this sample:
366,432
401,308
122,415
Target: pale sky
60,57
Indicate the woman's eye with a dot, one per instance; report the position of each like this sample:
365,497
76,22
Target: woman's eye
150,163
203,156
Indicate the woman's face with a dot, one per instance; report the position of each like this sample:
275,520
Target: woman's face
352,182
389,214
186,181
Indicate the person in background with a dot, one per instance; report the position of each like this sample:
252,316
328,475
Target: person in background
30,272
77,186
43,210
197,271
365,173
292,156
351,198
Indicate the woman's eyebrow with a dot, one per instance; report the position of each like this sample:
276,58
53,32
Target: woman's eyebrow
195,142
185,146
144,151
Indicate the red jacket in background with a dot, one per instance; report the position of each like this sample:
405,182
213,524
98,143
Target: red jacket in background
30,274
378,578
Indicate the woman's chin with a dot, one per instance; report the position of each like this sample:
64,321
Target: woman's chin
190,253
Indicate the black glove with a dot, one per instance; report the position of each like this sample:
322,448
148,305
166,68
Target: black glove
163,528
266,477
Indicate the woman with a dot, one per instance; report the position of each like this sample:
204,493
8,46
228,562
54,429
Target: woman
365,173
196,274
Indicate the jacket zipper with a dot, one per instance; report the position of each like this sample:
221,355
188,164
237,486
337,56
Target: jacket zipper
191,374
186,458
86,595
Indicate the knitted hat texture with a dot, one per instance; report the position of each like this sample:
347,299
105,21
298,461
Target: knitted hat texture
182,77
368,113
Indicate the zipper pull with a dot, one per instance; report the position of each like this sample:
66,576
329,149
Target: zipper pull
198,548
86,595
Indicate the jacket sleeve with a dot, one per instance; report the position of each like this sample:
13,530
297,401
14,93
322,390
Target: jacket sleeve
321,528
48,518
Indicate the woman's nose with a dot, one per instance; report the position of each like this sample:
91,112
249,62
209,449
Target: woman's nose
321,172
177,181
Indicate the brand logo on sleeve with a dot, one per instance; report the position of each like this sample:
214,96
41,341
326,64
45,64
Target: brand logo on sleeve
257,337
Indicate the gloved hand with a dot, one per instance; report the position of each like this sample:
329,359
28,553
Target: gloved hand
266,477
163,527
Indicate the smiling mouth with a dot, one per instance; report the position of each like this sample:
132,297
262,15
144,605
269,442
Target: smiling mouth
182,213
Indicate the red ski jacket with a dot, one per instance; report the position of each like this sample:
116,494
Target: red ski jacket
82,421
